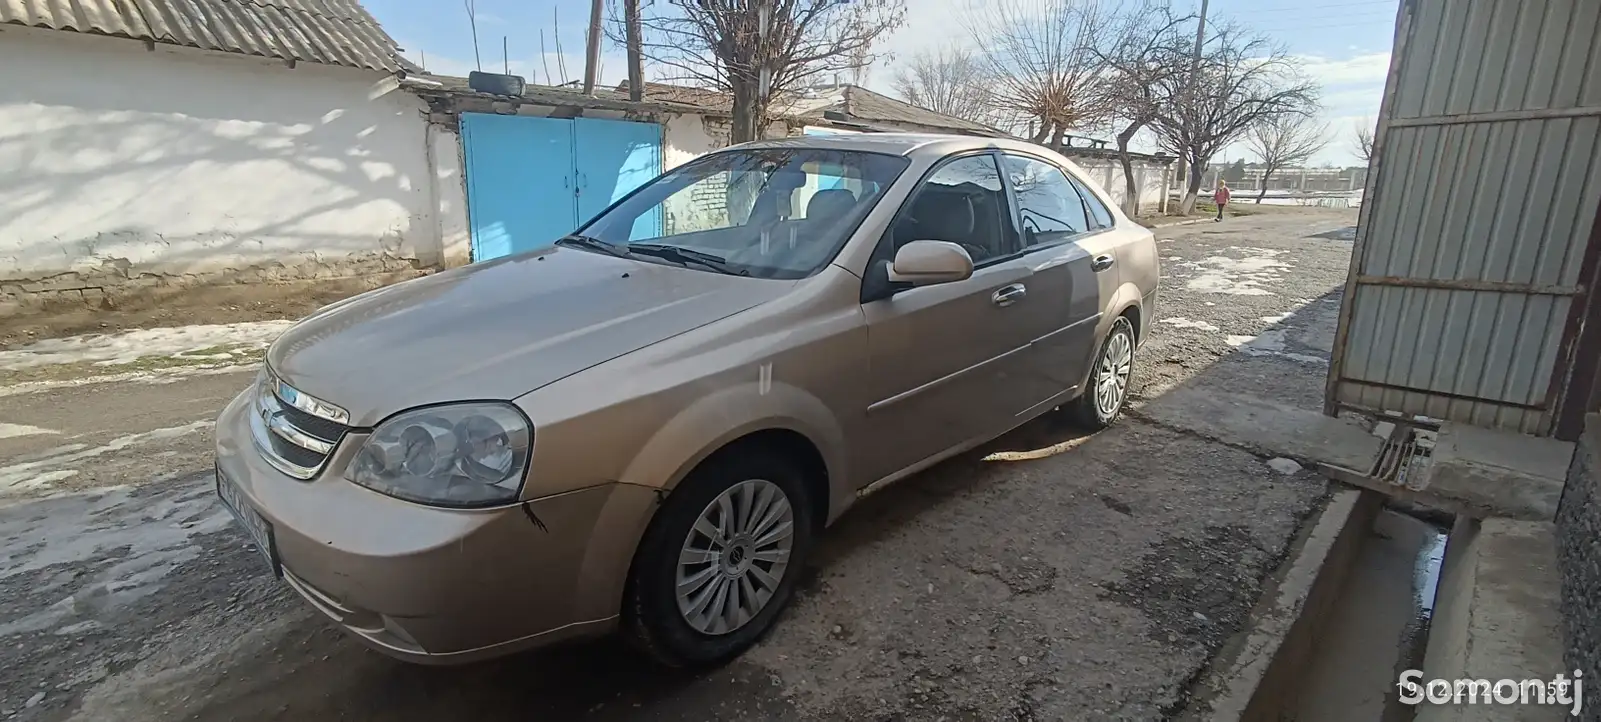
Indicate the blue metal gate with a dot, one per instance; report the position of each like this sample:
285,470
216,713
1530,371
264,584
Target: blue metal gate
532,180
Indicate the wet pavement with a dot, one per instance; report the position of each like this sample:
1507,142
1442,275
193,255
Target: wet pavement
1047,576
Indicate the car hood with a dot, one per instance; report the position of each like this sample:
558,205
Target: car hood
499,329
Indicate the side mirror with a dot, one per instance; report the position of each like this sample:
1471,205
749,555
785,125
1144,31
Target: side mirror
925,263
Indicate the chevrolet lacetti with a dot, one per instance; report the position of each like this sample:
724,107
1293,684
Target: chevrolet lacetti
646,426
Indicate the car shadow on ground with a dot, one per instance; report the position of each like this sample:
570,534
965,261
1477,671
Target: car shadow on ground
315,673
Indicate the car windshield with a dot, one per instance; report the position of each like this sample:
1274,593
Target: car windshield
767,212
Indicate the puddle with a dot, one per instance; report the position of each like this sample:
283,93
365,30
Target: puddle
1426,576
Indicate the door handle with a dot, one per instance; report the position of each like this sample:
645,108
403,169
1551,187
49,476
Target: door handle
1101,263
1009,295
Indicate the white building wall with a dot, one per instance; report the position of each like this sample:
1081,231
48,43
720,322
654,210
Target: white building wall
123,163
687,137
448,160
1108,173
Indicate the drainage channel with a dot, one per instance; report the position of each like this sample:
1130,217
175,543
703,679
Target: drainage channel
1376,627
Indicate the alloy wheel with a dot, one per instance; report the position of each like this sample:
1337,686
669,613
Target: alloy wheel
735,556
1111,382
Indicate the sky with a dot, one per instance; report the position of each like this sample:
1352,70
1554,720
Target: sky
1345,46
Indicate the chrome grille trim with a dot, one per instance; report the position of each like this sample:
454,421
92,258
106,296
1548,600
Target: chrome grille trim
277,436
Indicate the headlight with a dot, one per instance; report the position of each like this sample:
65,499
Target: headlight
462,455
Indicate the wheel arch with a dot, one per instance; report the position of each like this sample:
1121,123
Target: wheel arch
782,418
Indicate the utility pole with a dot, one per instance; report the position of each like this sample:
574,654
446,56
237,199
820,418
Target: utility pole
636,65
764,77
592,62
1200,38
1185,154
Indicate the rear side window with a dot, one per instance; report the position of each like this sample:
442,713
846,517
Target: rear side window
1102,217
1048,205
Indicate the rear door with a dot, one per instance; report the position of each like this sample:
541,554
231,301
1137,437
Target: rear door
1073,265
947,360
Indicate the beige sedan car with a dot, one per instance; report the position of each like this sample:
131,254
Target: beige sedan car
646,426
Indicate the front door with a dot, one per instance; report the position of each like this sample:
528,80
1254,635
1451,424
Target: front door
947,359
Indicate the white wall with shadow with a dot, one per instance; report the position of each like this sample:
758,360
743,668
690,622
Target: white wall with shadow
178,161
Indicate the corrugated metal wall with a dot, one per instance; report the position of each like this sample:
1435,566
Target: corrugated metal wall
1478,214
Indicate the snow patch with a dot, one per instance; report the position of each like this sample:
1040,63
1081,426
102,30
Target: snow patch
1182,322
1238,276
1270,343
12,431
125,545
129,346
47,470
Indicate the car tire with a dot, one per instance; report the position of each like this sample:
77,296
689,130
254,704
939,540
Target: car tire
653,615
1114,363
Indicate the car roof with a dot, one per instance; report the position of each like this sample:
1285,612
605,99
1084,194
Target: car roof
904,144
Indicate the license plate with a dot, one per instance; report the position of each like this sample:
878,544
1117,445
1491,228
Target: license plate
257,528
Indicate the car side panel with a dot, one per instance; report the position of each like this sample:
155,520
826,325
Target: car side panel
796,363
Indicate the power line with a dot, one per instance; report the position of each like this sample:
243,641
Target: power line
1375,23
1335,6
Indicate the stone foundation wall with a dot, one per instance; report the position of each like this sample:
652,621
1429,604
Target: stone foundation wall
110,284
1578,525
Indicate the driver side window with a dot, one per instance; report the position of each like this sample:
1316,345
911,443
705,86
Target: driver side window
963,202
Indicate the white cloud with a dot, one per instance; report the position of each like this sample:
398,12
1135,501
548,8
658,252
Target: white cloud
1362,69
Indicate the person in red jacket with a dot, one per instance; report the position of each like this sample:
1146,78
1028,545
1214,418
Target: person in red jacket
1221,197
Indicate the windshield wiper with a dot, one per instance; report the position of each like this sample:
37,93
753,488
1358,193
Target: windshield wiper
591,243
685,256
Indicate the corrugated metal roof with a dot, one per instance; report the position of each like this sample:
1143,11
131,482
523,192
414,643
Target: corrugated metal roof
856,102
330,32
859,102
605,98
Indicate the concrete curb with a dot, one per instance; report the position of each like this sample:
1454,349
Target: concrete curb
1256,676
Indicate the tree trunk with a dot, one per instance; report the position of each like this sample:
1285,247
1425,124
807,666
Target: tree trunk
743,128
1056,138
1043,133
1266,174
1131,204
1192,189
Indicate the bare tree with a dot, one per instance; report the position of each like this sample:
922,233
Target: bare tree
1282,141
1142,46
1040,57
1242,80
950,81
1363,135
721,44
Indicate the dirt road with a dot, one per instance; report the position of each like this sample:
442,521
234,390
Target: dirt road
1048,576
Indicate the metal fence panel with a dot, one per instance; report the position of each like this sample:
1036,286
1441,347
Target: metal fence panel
1477,214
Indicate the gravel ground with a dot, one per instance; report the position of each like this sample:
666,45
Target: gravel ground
1049,576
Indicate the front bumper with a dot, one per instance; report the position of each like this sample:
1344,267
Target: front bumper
433,585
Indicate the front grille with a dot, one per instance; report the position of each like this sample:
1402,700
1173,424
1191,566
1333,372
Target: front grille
296,455
295,441
315,425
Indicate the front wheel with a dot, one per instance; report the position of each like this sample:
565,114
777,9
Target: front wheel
719,562
1102,403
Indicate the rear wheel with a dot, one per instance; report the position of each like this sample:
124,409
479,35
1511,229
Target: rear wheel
1102,403
720,560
